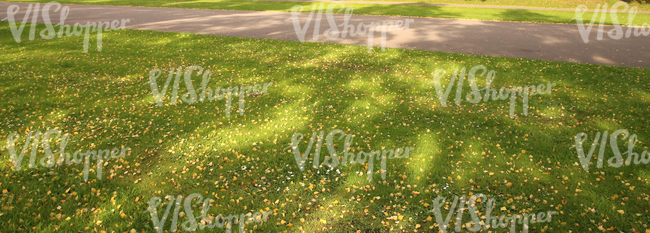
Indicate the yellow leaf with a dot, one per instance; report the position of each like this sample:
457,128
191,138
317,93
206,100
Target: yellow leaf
621,211
429,218
426,204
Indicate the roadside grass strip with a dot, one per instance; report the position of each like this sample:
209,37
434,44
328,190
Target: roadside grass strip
448,12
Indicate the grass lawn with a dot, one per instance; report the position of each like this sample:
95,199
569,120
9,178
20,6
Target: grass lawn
570,4
539,16
103,100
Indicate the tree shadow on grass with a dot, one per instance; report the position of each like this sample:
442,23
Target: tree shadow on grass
518,14
237,160
639,1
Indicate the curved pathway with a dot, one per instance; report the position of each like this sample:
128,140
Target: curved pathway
553,42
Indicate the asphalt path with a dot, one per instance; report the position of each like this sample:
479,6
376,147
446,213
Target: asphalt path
553,42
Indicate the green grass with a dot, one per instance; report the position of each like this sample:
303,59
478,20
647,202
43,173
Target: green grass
539,16
570,4
102,100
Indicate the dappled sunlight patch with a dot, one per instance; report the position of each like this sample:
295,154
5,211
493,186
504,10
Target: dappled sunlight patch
422,162
333,214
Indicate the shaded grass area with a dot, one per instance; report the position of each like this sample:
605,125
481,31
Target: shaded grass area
103,100
539,16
